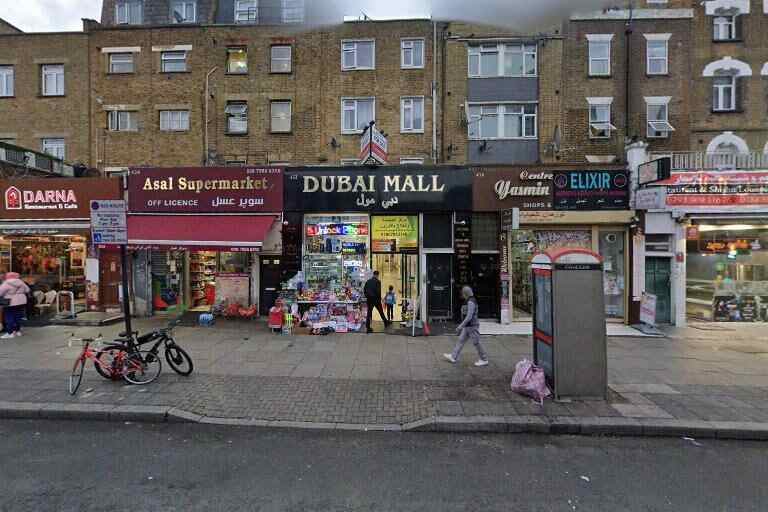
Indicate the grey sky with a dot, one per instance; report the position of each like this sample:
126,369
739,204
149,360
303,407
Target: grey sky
63,15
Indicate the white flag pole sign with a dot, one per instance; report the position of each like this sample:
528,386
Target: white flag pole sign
108,223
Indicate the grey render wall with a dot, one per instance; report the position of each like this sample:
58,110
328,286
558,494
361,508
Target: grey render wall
270,12
519,151
503,89
158,12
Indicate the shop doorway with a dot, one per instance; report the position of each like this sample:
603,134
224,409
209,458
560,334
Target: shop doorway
401,272
486,284
657,282
439,287
110,278
269,283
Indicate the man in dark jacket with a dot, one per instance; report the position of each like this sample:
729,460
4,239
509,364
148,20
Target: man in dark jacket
372,291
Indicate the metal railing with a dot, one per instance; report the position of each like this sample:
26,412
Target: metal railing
699,161
27,159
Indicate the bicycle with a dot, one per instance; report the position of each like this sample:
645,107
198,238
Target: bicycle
177,357
126,362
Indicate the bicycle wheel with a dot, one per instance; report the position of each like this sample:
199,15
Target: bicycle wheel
178,360
142,367
107,363
76,377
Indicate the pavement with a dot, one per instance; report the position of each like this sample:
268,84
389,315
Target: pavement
708,380
65,466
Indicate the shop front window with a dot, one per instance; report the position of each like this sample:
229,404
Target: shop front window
611,248
336,253
49,265
395,245
727,271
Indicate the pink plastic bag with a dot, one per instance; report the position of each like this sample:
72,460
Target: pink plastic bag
529,380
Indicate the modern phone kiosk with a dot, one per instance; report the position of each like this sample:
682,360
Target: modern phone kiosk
569,340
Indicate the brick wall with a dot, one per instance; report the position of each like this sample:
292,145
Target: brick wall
751,122
579,86
315,88
28,117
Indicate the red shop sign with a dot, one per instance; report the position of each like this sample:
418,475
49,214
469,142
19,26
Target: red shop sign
205,190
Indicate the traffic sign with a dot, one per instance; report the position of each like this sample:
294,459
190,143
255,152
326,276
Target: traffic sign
108,222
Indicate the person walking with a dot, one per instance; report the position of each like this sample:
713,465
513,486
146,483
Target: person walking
372,291
389,301
15,291
468,329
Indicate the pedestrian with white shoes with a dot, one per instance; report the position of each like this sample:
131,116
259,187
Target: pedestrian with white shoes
14,291
469,329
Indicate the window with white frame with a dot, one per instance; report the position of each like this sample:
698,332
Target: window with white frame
657,54
357,113
724,28
358,55
173,62
123,121
54,147
599,54
121,63
657,115
503,59
293,11
183,11
129,12
237,117
174,120
600,126
53,79
502,121
237,60
281,59
412,114
724,93
281,116
409,160
6,81
412,53
246,11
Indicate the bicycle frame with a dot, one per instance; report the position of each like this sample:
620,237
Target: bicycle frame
88,353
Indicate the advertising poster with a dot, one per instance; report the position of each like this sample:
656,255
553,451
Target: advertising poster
591,190
395,233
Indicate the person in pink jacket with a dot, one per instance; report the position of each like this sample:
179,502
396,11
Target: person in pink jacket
15,291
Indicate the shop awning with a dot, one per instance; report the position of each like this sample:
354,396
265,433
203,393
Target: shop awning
201,232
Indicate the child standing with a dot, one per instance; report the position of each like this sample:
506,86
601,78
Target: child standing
389,301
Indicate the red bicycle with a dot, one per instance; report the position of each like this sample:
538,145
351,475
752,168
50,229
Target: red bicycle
116,360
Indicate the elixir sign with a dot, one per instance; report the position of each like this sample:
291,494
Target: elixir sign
591,190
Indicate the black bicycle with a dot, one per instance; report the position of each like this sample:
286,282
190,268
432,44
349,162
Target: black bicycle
177,357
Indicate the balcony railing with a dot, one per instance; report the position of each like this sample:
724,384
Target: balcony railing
26,159
698,161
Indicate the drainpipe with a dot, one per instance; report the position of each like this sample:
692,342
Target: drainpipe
434,92
206,99
628,78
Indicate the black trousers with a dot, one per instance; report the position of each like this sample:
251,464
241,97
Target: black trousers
373,303
390,311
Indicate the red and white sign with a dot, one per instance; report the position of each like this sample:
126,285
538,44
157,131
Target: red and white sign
373,147
717,189
62,199
648,309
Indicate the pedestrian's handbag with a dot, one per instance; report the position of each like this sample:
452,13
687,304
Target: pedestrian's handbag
4,302
529,380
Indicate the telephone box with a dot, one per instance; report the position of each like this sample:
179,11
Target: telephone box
569,340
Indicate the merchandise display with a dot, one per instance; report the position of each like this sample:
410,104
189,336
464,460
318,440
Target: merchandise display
202,268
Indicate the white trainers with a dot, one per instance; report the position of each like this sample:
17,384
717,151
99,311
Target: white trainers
17,334
6,336
450,358
481,362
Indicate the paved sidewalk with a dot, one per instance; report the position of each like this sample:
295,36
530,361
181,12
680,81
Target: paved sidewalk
704,380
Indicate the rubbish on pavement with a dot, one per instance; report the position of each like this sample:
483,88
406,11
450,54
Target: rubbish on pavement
692,441
585,478
529,380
